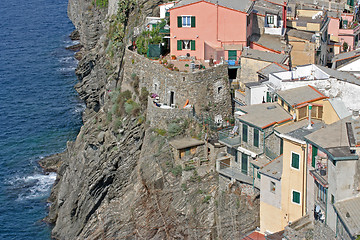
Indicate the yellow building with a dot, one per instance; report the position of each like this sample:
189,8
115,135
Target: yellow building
283,181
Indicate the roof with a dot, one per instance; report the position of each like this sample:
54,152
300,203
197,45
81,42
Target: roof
346,55
264,115
239,5
262,7
334,140
344,76
185,143
255,236
264,56
299,130
339,107
292,32
260,161
253,84
348,211
272,68
272,42
274,168
300,95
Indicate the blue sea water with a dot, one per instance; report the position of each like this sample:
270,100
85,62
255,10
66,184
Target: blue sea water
39,109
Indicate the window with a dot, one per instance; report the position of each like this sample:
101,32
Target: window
219,90
270,19
256,137
314,154
272,186
282,102
295,160
244,132
232,55
258,174
244,163
322,193
332,199
186,21
288,107
187,151
186,45
296,197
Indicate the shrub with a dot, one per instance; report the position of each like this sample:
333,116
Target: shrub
189,168
102,3
177,171
186,65
206,199
117,124
109,116
174,129
161,132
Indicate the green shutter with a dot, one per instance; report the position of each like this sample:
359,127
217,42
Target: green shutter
192,21
295,160
232,55
192,45
179,21
281,146
244,132
296,197
256,137
268,97
179,45
244,163
314,154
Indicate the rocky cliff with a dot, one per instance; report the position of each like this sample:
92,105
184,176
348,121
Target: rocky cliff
118,180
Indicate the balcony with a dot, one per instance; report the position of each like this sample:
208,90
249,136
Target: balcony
230,137
271,29
223,167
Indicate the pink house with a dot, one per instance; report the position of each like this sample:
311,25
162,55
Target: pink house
344,29
211,28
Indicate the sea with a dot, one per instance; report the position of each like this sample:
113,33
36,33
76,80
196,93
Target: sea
39,109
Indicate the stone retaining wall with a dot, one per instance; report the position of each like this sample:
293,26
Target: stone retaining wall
207,90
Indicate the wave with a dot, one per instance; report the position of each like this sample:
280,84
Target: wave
67,69
79,108
33,186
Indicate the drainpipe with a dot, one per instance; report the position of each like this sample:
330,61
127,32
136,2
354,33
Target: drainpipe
309,125
284,16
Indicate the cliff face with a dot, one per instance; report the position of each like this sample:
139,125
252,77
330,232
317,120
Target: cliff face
118,179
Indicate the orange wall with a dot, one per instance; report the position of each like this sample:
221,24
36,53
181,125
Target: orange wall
231,27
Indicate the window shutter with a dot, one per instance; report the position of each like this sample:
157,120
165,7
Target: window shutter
295,163
314,154
192,21
179,45
179,21
256,137
296,197
192,45
244,132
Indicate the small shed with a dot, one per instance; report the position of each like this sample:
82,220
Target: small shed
187,148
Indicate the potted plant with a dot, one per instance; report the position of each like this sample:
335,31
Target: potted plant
173,57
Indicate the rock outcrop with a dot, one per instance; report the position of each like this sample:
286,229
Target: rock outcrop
118,179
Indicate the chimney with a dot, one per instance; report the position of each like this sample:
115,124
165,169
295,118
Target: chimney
309,125
355,114
329,5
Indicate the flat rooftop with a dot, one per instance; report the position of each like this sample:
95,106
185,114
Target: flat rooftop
272,68
185,143
300,95
264,115
269,41
299,130
348,211
239,5
274,168
264,56
334,139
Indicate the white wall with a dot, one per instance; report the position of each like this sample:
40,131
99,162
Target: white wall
351,67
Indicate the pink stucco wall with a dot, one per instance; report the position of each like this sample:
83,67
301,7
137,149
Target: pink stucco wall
344,35
215,25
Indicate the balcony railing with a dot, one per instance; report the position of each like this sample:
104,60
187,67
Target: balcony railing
230,137
224,168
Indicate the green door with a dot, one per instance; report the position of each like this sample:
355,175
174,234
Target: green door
244,163
232,55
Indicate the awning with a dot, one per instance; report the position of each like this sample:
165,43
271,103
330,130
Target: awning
247,152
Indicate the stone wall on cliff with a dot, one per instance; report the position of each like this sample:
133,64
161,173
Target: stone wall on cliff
119,181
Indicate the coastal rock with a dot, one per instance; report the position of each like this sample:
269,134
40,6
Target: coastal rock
118,180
